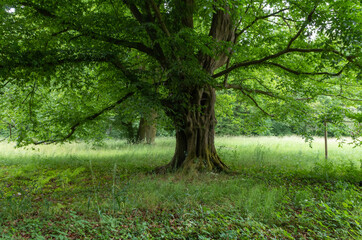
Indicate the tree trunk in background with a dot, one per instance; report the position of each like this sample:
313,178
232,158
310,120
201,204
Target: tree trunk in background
141,134
151,127
147,128
131,137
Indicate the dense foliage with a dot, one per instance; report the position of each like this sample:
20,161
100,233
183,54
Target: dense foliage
65,64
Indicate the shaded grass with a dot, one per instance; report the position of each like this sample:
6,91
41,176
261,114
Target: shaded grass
281,189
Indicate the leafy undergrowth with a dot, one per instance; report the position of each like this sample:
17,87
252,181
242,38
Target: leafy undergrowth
100,194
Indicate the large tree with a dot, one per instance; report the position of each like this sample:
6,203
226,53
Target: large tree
65,63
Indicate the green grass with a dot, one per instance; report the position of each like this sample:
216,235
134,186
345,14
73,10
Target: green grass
279,188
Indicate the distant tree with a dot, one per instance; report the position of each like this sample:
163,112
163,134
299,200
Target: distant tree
136,121
65,64
147,128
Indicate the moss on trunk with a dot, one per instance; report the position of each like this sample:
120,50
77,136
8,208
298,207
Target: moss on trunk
195,146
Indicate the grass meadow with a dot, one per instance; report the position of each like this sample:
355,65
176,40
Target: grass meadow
277,188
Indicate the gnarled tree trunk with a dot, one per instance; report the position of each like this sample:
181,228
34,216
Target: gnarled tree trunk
195,147
195,116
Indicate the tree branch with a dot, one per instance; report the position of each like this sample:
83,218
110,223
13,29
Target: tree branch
60,32
226,75
74,127
256,104
276,55
305,73
339,95
187,13
6,83
288,49
257,19
158,52
87,32
269,94
75,59
330,95
303,99
134,10
159,18
239,87
30,93
304,25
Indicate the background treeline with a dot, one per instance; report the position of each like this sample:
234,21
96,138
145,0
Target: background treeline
235,118
138,120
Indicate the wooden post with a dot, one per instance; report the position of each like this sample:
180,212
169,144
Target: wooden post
325,140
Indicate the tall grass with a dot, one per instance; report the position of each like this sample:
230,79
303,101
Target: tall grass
286,151
235,150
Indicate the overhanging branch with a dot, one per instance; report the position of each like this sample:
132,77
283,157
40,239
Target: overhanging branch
6,83
272,95
60,32
305,73
74,127
159,17
256,104
134,10
341,96
69,59
88,33
287,49
145,20
257,19
304,25
241,88
244,90
273,56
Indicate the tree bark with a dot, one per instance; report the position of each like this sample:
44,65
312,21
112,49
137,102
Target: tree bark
195,146
147,128
151,129
194,116
141,133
